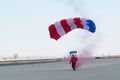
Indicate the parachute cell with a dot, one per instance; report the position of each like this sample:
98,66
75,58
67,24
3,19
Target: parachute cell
60,28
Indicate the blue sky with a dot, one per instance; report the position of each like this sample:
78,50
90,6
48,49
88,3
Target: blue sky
24,27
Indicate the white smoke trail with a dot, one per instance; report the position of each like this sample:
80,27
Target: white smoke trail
77,6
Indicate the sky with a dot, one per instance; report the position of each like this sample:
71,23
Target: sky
24,27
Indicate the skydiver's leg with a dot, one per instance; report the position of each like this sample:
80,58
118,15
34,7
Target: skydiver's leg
73,66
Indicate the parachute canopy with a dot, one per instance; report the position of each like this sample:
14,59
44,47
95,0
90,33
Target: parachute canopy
62,27
73,52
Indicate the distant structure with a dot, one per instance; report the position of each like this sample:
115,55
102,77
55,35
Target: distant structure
108,56
15,56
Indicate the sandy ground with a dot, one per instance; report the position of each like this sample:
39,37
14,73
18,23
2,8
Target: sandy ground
97,69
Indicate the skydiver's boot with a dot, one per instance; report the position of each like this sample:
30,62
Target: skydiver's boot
74,69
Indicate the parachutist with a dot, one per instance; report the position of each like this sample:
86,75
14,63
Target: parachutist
73,61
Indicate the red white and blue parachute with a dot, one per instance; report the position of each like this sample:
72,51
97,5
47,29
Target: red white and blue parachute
62,27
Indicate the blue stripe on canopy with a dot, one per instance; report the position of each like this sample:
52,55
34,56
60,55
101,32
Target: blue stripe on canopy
73,52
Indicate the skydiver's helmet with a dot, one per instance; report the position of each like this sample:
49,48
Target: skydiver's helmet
73,55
